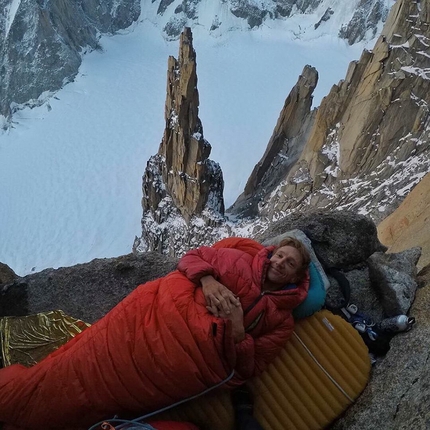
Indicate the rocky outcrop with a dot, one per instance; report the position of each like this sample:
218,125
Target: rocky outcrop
6,274
42,43
181,182
369,130
285,145
87,291
340,239
366,17
408,225
398,392
188,173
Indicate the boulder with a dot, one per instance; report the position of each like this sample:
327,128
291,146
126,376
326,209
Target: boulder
6,274
85,291
398,393
340,239
395,278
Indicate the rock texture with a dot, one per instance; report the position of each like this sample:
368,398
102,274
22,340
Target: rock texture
42,43
181,182
409,225
340,239
6,274
367,147
365,19
87,291
284,147
394,277
364,22
398,392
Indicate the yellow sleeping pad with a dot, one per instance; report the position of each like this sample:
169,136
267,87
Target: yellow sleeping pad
320,372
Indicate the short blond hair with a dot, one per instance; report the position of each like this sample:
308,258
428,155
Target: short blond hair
304,253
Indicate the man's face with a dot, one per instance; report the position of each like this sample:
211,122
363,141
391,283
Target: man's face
284,265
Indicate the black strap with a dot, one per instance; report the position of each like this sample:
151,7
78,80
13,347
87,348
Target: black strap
343,282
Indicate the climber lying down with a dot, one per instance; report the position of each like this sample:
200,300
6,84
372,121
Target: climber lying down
226,307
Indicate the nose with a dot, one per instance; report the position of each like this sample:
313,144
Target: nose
281,260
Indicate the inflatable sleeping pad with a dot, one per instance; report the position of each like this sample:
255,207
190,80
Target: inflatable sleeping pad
320,372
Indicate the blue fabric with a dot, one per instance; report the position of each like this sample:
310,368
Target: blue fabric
316,295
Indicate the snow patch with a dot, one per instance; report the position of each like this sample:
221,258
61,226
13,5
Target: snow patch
11,11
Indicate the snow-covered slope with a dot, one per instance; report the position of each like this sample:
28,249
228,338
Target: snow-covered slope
70,170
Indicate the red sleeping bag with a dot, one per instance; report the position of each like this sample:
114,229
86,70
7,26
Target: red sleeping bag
158,346
141,356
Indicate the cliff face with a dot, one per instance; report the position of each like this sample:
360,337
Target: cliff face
409,225
363,149
181,185
368,145
285,145
43,42
398,391
356,19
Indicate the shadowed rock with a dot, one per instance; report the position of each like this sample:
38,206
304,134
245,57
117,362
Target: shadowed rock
395,277
85,291
284,147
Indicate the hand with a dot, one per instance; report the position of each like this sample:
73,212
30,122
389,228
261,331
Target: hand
218,297
236,318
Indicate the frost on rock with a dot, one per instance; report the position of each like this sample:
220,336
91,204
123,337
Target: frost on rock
301,175
331,151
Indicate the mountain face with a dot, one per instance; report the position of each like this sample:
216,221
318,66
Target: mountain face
285,146
43,40
355,20
408,225
363,149
366,146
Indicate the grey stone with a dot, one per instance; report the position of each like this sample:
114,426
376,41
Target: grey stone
394,275
164,4
249,11
362,294
41,51
340,239
365,19
398,393
6,274
85,291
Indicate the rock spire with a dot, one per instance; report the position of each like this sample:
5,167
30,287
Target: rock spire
285,145
180,181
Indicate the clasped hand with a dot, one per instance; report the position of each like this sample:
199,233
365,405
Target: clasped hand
221,302
219,299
